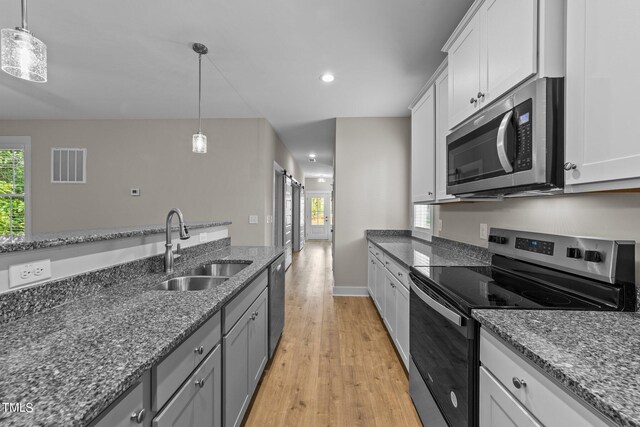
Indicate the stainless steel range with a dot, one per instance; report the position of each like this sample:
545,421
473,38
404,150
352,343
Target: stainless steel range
527,271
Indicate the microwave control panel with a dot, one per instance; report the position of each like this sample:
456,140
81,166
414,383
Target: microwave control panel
523,115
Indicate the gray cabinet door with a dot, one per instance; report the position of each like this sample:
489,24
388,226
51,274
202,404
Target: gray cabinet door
121,414
258,344
390,303
237,382
198,403
402,323
380,286
371,275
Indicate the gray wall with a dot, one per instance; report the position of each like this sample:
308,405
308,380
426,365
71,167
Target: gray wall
613,215
372,175
232,181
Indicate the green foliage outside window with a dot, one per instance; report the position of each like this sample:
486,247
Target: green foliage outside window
11,192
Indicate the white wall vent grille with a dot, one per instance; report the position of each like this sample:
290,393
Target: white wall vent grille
69,165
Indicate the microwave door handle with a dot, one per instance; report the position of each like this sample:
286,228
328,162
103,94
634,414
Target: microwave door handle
441,309
500,143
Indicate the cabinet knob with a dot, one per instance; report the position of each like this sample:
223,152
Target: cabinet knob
480,95
138,417
570,166
199,350
386,262
473,101
399,274
200,383
518,383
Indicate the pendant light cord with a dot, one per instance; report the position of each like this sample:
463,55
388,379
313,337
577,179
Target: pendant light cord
24,14
199,91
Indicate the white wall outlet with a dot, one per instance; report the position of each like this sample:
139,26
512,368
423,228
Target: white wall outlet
253,219
439,225
203,237
31,272
483,231
269,219
135,192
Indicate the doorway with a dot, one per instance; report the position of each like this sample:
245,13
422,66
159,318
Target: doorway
318,215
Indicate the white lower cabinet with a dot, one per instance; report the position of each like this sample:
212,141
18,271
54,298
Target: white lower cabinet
498,407
198,402
245,356
391,296
513,392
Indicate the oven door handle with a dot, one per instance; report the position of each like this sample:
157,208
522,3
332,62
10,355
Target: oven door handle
500,143
450,315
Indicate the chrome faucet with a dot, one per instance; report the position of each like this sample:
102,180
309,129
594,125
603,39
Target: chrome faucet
184,235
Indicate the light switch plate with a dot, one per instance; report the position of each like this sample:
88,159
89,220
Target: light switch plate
253,219
23,274
483,231
439,225
269,219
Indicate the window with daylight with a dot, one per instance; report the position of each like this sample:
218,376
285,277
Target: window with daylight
12,192
317,211
14,201
422,215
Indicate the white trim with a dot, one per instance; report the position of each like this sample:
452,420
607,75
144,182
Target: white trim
350,291
24,143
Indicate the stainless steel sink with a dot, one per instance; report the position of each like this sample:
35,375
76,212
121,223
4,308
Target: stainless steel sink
219,269
191,283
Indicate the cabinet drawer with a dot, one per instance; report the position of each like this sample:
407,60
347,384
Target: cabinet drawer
398,272
235,308
378,253
120,415
175,368
199,400
546,400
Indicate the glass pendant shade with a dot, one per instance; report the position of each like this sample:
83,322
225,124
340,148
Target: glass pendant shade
199,143
23,55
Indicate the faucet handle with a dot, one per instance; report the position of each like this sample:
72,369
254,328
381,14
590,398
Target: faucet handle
178,253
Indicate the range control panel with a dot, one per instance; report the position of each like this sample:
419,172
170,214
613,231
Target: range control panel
534,245
587,256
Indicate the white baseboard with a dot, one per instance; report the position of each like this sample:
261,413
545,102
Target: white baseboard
350,291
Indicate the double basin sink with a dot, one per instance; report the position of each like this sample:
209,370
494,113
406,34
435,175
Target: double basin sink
206,276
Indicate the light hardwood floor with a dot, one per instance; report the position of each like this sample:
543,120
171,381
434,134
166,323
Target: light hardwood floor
335,365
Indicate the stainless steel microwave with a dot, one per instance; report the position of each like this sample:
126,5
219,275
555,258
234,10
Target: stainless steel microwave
514,146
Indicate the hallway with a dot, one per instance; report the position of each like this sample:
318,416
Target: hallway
335,365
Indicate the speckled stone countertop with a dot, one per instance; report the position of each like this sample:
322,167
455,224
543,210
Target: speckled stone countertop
50,240
596,355
411,252
72,361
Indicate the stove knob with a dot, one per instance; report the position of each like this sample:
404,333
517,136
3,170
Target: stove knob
592,256
497,239
574,253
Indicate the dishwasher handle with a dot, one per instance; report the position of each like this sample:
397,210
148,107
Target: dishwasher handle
445,312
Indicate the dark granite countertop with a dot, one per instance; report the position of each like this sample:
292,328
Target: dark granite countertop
50,240
596,355
412,252
72,361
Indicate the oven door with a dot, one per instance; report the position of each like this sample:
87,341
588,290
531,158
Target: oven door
443,374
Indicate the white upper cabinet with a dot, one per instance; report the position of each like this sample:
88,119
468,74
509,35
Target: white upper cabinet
602,150
442,129
509,48
493,49
423,148
464,73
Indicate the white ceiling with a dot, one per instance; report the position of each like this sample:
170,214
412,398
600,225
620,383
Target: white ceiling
133,59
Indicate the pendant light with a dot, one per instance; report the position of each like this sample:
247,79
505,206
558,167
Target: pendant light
199,143
23,55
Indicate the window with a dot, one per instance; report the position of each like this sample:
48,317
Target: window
317,211
422,215
14,197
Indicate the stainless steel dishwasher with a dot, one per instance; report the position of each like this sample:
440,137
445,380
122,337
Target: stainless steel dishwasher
276,303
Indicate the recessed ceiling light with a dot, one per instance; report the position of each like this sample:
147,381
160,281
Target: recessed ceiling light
327,77
312,155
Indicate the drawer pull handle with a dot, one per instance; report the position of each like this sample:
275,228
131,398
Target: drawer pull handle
518,383
138,417
200,383
199,350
